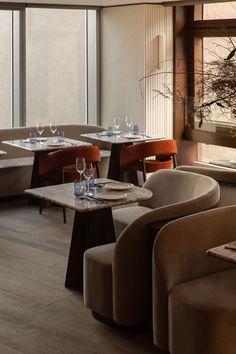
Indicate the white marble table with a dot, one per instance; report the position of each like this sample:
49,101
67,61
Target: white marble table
117,142
41,147
93,222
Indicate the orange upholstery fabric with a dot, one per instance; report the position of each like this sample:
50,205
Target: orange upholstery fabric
135,157
54,164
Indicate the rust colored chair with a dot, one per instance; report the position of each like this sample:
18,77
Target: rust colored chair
59,166
137,157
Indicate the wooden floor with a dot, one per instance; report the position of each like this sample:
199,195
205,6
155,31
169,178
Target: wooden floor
38,315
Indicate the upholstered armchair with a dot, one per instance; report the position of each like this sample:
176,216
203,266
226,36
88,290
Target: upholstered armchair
117,276
184,193
194,294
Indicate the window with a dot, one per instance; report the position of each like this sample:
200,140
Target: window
212,34
6,68
45,65
55,66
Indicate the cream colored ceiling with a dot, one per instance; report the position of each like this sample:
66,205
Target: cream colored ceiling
105,3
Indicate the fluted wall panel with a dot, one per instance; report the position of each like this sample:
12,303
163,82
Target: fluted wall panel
136,42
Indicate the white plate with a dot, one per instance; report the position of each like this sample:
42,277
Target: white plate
111,196
56,144
118,186
115,132
132,136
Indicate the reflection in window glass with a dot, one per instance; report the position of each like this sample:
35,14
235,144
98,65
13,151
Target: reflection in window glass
55,66
223,10
5,68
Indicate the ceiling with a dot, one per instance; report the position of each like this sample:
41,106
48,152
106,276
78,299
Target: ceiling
108,3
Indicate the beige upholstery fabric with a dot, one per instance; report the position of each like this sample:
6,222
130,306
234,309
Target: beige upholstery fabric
189,192
225,178
204,322
130,256
179,259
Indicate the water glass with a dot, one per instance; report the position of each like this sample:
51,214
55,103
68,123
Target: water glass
32,138
109,131
135,129
79,188
60,136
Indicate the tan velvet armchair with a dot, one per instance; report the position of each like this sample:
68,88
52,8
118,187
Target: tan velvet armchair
117,276
194,294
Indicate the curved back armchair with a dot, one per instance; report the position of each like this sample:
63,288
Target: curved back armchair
225,177
185,192
59,166
135,157
54,165
117,282
193,293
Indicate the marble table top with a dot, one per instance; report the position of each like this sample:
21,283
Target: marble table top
63,194
2,153
223,253
123,138
46,144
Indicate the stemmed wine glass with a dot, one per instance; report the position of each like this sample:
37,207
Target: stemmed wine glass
40,129
88,172
53,128
80,166
116,123
129,123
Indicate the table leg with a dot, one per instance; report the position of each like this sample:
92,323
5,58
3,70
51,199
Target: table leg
90,229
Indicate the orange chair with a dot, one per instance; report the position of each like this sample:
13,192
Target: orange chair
137,157
59,166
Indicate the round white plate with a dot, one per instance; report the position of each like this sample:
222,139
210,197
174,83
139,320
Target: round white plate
111,196
118,186
56,144
115,132
132,136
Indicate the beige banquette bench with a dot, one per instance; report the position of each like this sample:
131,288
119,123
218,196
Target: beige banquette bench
16,165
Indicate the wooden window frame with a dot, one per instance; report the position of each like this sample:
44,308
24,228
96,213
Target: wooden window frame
189,27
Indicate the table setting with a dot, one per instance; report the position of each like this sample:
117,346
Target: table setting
93,221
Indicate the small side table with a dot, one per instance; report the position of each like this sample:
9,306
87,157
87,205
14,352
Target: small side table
223,253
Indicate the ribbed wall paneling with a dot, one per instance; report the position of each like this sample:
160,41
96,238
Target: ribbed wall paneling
133,38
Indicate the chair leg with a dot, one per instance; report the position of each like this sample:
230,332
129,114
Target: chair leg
64,215
40,206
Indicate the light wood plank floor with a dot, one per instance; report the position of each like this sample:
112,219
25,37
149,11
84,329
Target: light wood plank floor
38,315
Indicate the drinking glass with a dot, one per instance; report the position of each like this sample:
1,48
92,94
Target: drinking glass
40,128
80,166
53,128
129,123
116,122
60,136
88,173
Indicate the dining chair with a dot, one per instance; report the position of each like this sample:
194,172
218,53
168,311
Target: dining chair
194,306
117,276
59,166
148,157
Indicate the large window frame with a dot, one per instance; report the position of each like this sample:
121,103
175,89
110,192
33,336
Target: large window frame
190,29
18,104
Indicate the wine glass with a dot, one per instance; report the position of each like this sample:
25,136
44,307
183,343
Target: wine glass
88,173
116,123
129,123
40,129
80,166
53,128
